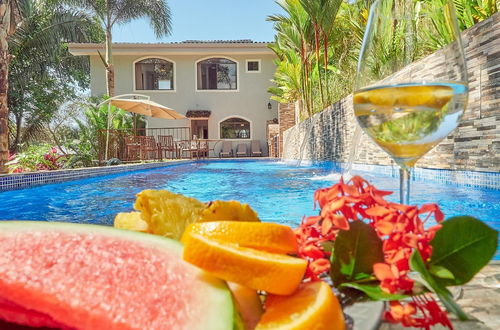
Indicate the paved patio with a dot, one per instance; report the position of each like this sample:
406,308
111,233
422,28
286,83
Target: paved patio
480,299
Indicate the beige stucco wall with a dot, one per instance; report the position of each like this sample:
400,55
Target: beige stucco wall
249,101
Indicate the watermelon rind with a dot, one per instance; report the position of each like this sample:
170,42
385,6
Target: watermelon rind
220,313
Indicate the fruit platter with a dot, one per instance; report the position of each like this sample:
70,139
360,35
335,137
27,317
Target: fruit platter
178,263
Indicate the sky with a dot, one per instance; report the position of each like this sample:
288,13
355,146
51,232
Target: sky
208,20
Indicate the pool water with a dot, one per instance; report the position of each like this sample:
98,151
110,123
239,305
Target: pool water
278,192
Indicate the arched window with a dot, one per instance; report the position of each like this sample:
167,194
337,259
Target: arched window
216,74
154,74
235,128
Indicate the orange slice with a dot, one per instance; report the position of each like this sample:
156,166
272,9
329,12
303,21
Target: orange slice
269,237
312,306
259,270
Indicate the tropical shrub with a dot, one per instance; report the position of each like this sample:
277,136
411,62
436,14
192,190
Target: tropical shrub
37,158
317,43
42,73
94,121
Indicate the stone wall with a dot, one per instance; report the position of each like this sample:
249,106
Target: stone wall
475,144
286,120
273,132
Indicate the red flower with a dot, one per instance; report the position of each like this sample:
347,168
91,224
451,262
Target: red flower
391,279
399,313
400,228
319,266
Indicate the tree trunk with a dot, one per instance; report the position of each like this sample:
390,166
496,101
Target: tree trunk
4,85
110,70
17,139
9,19
4,110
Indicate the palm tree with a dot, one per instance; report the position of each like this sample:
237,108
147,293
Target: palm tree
42,74
306,29
10,18
111,12
294,34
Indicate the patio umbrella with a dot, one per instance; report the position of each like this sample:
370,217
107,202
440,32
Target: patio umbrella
147,108
144,106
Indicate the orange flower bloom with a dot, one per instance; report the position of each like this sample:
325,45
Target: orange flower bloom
400,228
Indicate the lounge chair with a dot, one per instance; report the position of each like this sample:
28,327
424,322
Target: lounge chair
227,149
241,150
255,148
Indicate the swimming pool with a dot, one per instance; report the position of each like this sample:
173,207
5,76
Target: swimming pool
279,192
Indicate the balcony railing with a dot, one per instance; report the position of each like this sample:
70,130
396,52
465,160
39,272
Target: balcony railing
141,144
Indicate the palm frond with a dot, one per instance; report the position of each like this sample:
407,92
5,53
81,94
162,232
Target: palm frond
157,11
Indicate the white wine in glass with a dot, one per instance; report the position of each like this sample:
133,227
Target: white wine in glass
407,106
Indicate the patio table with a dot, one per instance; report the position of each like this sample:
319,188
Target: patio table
209,147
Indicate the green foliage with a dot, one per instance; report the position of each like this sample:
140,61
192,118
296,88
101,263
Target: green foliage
314,35
85,147
355,252
42,73
460,249
418,265
457,260
109,13
37,158
373,291
302,43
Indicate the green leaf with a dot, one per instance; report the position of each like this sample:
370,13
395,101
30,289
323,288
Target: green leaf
373,291
356,250
463,246
417,264
327,246
334,69
362,276
441,272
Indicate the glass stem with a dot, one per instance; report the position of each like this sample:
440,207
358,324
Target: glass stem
404,185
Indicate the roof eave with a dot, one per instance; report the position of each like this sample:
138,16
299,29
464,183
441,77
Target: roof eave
80,49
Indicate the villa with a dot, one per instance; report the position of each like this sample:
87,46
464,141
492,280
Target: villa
220,86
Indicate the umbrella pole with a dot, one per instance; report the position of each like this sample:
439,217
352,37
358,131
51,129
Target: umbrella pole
135,123
107,133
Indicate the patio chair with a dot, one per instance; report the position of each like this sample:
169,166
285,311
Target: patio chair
203,149
149,149
132,147
167,145
241,150
255,148
189,147
227,149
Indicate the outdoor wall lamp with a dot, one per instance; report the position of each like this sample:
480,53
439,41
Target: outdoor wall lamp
269,105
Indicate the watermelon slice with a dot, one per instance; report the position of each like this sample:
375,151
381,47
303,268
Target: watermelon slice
63,275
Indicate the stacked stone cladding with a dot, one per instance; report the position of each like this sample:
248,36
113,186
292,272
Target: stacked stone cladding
474,145
273,130
286,120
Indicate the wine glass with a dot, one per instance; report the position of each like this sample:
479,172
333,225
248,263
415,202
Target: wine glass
411,84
